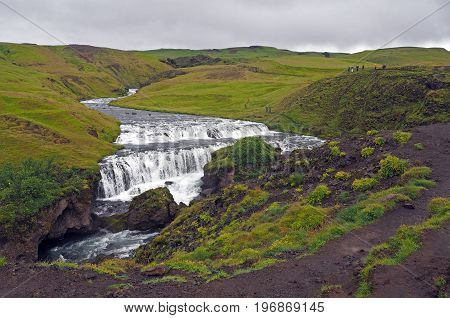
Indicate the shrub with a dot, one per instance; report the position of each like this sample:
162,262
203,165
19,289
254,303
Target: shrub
318,194
402,136
342,175
392,166
419,146
372,132
367,151
379,141
416,173
3,261
296,179
364,184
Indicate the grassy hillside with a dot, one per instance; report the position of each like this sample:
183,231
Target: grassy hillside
392,98
250,79
40,89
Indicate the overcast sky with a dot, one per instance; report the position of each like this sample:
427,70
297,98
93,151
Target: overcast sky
320,25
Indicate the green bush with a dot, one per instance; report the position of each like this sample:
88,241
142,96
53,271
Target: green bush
342,175
392,166
317,195
379,141
419,146
372,132
296,179
336,152
367,152
402,136
364,184
344,197
30,186
3,261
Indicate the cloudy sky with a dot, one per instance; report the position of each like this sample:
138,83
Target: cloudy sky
321,25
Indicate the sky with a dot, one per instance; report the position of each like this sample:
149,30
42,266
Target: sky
312,25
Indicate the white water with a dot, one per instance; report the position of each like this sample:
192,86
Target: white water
159,150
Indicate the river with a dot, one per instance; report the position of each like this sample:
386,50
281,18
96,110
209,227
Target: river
158,149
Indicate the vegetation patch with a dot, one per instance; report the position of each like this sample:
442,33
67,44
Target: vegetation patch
419,146
249,158
113,267
364,184
372,132
166,279
3,261
406,241
402,136
379,141
392,166
28,187
317,195
367,152
342,175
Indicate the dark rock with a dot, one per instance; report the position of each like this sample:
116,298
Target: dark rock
152,209
409,206
191,61
69,215
168,182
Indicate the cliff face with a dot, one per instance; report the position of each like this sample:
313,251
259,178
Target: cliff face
71,214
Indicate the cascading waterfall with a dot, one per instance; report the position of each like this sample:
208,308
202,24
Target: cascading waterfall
159,150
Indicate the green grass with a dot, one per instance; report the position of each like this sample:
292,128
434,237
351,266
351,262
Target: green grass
402,136
364,184
367,152
165,279
3,261
405,242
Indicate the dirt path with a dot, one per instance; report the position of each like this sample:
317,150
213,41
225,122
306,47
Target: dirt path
338,262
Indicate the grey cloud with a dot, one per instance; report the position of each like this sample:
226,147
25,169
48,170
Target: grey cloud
322,25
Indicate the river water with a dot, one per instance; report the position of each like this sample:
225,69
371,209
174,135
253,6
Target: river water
158,149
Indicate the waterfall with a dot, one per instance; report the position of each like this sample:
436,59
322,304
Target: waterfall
127,175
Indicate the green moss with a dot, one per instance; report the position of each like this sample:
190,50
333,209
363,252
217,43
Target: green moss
392,166
344,197
165,279
364,184
317,195
372,132
379,141
402,136
419,146
59,264
342,175
367,152
3,261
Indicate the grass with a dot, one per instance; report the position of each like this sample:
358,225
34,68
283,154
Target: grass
392,166
317,195
165,279
114,267
403,244
59,264
342,175
3,261
120,286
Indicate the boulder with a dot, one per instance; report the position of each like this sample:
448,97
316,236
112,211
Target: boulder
152,209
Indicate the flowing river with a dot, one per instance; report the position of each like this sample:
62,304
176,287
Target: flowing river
159,149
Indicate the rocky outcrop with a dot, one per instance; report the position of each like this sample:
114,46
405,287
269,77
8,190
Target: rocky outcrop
151,210
213,180
71,214
191,61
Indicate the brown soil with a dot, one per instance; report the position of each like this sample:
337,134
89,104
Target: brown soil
337,263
